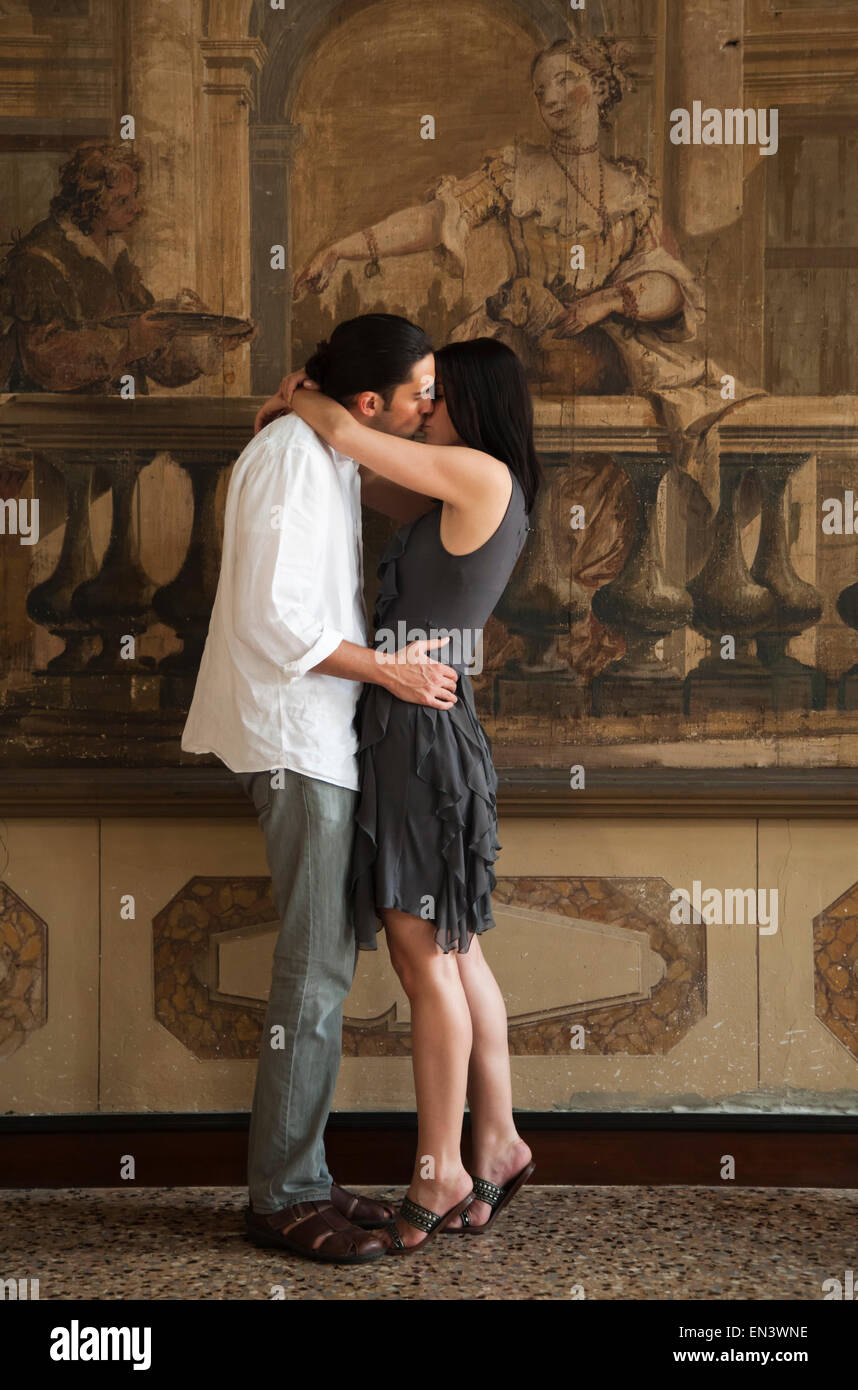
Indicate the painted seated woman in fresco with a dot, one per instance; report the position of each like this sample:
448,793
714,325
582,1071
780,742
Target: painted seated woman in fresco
562,254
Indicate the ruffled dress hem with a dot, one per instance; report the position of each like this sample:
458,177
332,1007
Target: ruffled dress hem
401,907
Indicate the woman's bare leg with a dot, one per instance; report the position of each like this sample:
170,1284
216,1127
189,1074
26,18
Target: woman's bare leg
440,1045
499,1152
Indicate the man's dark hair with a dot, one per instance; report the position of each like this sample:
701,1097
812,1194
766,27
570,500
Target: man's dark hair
87,177
374,352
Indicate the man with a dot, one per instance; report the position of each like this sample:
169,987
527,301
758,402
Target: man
64,284
275,699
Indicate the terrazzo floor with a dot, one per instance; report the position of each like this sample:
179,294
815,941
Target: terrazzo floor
614,1243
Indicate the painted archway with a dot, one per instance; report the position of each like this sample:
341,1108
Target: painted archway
293,39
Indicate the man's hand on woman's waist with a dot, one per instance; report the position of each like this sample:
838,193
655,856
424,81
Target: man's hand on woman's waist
410,674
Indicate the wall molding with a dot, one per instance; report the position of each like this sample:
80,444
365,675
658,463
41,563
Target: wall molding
570,1149
212,792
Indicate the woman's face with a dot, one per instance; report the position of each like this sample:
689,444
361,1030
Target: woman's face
565,92
437,426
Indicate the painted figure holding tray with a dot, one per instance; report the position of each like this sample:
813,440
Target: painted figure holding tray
75,314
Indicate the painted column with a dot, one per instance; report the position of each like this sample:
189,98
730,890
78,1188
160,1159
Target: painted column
161,100
230,68
272,158
705,43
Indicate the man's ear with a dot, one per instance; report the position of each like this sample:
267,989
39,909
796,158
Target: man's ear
368,403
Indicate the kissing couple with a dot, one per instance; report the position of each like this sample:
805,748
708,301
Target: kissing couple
368,767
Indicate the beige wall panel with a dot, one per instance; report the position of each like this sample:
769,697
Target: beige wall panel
49,992
145,1067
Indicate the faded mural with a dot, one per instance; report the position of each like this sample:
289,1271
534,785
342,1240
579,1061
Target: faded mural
565,255
653,202
651,214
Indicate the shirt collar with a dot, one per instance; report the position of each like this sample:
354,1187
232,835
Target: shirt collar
87,247
340,460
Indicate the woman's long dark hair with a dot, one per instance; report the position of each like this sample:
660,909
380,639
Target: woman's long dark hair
489,405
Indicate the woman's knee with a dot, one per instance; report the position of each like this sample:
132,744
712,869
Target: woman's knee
421,965
420,974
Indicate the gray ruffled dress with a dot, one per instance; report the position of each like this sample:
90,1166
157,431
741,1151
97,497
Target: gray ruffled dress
426,821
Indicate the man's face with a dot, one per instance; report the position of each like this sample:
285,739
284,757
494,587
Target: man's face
410,404
122,207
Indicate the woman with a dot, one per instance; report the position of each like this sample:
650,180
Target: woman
560,251
559,241
426,832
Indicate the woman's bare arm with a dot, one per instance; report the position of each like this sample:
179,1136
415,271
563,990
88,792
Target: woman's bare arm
411,229
657,296
400,234
450,473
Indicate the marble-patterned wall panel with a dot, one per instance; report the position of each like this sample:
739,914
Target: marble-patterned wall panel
165,1044
809,967
661,1012
49,966
613,1001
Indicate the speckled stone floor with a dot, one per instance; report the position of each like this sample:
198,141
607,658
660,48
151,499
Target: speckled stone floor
613,1243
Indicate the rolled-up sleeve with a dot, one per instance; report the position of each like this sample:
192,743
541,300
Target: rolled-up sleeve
280,583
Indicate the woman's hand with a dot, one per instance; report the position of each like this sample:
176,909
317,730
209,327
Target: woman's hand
320,412
289,385
317,272
586,311
656,296
281,403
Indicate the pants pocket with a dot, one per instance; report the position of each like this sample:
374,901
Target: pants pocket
261,791
257,786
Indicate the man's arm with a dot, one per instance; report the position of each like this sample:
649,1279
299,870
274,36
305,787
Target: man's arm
275,586
408,674
63,359
275,578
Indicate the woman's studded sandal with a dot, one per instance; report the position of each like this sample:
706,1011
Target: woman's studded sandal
495,1197
424,1220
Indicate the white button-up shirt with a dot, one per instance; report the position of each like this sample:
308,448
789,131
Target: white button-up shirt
290,590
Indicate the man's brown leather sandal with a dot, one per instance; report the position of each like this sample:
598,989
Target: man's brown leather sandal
365,1212
315,1230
